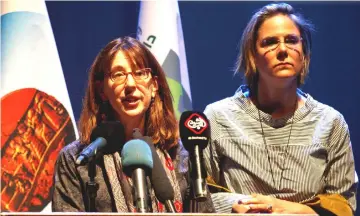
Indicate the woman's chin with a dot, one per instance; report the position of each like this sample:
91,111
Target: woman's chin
285,73
133,113
285,76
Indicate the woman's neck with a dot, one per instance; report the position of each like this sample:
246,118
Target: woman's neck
276,101
131,125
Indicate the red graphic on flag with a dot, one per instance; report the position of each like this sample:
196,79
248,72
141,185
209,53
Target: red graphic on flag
34,128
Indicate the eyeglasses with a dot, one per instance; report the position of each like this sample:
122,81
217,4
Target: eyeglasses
139,75
290,41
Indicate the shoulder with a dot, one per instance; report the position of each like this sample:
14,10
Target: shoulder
329,113
326,119
181,159
216,106
226,106
71,150
233,104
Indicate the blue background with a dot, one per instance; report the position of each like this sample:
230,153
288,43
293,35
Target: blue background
212,32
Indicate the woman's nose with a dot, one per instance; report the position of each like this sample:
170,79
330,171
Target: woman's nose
130,81
282,46
282,52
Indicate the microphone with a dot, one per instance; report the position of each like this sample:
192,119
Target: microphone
137,162
195,135
163,189
106,137
91,150
113,132
162,186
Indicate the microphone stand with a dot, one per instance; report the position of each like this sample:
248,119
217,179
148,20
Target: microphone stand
91,186
169,206
193,203
141,195
194,206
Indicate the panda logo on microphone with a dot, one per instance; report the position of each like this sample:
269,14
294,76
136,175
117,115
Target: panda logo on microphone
196,123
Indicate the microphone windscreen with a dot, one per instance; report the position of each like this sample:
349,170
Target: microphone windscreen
194,130
136,154
160,181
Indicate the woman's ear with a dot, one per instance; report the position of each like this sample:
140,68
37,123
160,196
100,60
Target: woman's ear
154,87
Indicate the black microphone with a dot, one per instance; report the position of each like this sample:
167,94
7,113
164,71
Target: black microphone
163,189
162,186
137,162
195,135
113,132
106,137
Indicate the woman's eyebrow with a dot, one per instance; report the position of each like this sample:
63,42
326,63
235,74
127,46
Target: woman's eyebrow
270,37
117,68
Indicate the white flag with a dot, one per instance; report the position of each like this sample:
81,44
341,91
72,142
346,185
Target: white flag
161,31
36,114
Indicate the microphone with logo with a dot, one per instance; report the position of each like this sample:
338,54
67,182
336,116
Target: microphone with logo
137,162
195,134
163,189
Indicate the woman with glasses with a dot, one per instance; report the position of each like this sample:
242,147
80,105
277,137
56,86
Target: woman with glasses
126,84
273,142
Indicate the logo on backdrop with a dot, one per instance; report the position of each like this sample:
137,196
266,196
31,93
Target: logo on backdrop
150,40
35,127
196,123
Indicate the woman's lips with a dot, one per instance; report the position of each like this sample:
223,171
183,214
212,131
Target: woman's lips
284,64
131,101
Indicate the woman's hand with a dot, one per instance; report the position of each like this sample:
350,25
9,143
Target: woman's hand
266,204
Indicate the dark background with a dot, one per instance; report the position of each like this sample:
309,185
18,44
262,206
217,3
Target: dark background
212,32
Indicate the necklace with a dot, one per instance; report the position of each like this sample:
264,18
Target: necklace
286,150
